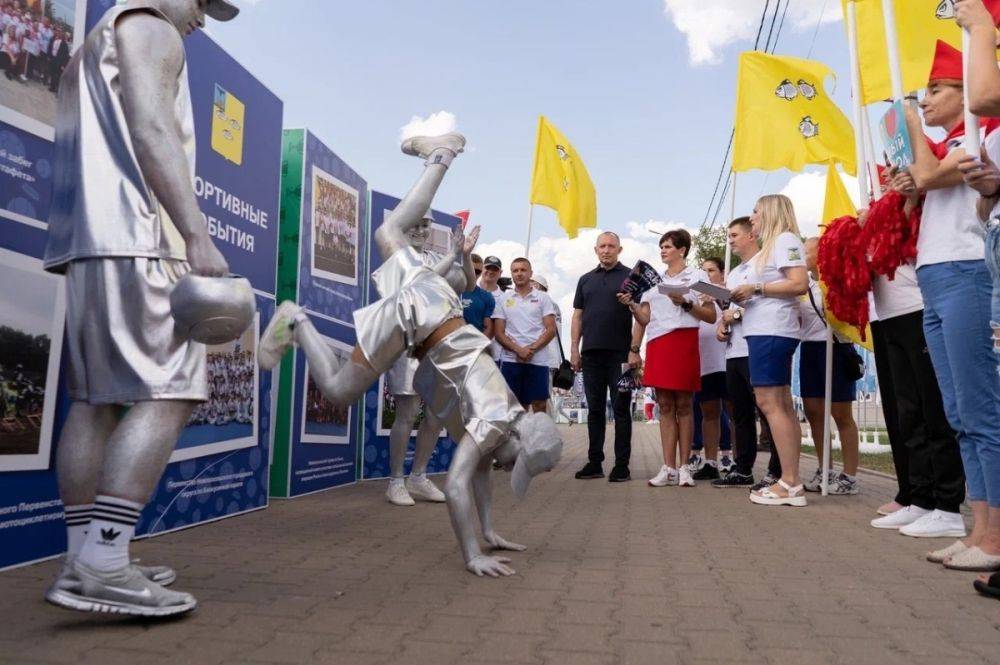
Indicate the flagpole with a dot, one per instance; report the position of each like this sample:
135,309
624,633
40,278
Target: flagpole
972,147
892,45
871,163
527,245
732,216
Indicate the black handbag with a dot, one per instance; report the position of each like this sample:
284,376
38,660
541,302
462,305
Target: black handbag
565,377
852,364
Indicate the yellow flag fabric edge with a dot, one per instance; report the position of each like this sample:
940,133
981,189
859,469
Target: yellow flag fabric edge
837,203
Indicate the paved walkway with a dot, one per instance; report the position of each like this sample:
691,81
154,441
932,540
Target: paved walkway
614,574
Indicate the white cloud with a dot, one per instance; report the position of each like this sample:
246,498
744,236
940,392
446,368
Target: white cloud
711,25
807,192
435,124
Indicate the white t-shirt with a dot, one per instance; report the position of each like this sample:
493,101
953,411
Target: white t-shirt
769,315
554,359
712,351
949,227
666,317
812,327
737,345
495,348
898,296
523,317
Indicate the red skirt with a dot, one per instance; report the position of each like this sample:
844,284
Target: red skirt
673,362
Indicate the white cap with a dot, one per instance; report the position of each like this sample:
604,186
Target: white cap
541,448
542,282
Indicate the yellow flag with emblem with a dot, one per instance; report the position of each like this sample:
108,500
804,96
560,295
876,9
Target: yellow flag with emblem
919,25
785,119
838,204
560,180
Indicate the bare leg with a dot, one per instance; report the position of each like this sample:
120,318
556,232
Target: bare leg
711,427
776,403
685,424
668,427
459,491
848,429
80,455
407,409
140,447
980,523
814,415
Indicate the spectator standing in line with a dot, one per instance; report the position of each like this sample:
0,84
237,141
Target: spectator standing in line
743,242
478,304
673,364
771,326
601,333
812,384
924,449
552,355
711,402
957,289
492,271
525,320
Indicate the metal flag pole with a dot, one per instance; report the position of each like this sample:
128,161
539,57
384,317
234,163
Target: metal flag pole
732,216
972,147
527,244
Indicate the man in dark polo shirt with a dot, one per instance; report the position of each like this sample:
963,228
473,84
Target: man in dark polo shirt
608,326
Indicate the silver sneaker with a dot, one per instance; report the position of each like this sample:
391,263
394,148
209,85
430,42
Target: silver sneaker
125,591
422,488
423,146
278,337
67,579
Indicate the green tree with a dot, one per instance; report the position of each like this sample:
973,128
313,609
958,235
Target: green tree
710,242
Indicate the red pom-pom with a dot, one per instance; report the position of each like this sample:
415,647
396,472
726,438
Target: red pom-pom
843,266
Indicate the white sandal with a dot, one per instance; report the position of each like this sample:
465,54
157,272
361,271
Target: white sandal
767,497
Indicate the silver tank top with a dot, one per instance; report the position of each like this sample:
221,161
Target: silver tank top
400,269
101,205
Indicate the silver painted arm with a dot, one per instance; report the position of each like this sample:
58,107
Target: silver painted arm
482,489
456,266
152,56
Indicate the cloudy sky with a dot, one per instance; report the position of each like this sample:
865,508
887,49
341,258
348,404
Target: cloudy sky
643,88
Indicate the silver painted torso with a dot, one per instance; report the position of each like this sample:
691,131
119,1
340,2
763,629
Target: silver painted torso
101,205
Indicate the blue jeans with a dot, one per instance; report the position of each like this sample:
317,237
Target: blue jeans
957,298
993,263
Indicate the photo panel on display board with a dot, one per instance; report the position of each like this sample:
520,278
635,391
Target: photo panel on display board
31,333
379,404
335,222
322,421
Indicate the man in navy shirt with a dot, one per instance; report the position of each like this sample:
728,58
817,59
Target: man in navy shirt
478,304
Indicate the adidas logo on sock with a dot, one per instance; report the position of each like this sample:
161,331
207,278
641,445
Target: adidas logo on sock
108,536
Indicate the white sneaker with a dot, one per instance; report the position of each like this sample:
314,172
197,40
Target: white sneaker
687,478
936,524
726,464
420,487
695,462
278,336
900,518
397,495
666,476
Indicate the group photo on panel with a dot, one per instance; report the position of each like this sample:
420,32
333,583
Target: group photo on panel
750,336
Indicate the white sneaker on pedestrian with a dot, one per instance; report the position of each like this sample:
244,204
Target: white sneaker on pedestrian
726,464
278,337
936,524
900,518
396,493
843,485
695,462
686,477
666,476
420,487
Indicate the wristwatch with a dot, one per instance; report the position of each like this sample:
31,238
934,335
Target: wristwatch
687,306
634,349
738,315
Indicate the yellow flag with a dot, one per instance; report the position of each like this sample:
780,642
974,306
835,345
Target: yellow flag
919,25
838,204
785,119
561,182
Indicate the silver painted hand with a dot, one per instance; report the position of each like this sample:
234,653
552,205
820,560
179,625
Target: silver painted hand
498,542
493,566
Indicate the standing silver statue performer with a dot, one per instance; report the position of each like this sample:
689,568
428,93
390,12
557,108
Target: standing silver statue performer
456,268
124,228
456,376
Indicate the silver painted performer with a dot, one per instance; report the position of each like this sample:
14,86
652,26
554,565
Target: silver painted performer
456,268
124,228
456,376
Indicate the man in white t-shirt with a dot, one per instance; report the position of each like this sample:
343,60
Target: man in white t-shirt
525,322
552,353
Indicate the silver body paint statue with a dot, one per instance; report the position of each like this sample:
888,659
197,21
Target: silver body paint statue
456,376
124,228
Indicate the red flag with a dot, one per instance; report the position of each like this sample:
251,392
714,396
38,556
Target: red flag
464,216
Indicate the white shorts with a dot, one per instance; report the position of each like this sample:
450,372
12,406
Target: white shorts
120,334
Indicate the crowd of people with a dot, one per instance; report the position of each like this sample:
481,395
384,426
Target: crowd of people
22,400
321,410
230,389
32,47
335,223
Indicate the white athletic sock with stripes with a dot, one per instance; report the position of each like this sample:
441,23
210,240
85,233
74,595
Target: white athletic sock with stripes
112,526
77,524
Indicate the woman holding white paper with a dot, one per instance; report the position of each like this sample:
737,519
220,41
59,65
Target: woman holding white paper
771,326
673,364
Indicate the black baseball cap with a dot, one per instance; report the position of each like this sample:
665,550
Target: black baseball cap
222,10
492,262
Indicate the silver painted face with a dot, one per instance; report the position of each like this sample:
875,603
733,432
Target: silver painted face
186,15
419,234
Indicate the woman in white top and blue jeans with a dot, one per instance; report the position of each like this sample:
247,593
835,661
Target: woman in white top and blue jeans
771,328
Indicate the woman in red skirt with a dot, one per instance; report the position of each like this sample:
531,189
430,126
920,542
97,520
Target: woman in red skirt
673,365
